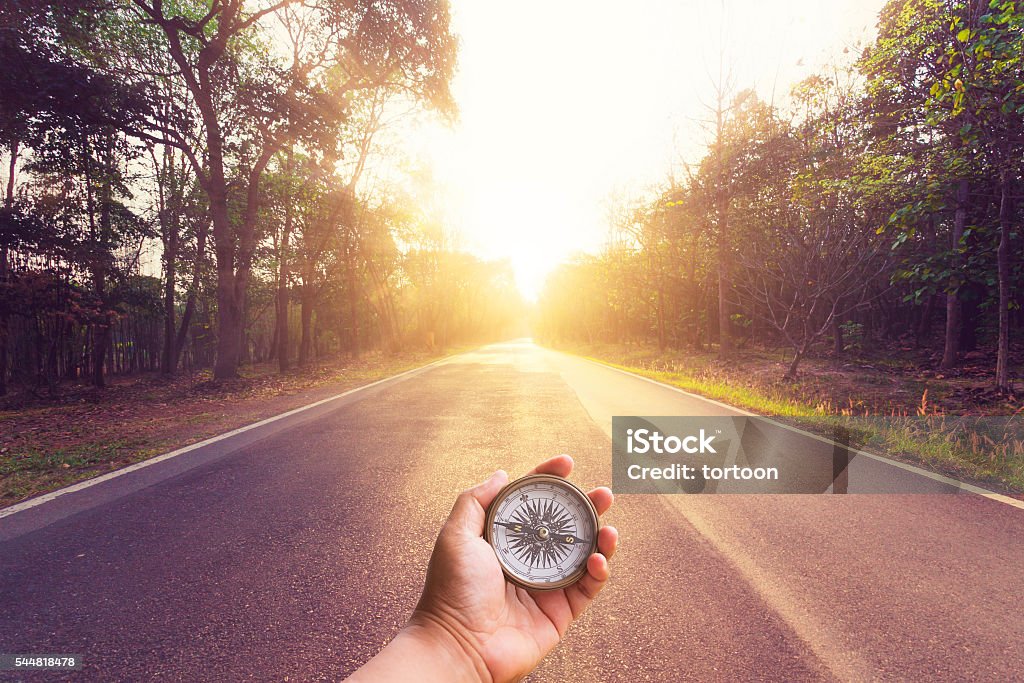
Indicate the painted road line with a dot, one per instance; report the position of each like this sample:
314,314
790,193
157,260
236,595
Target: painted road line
53,495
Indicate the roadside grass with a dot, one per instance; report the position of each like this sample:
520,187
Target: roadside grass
765,402
22,469
47,443
886,409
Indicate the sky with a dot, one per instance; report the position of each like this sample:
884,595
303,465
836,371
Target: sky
568,106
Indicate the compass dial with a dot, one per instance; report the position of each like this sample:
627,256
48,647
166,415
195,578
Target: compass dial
543,530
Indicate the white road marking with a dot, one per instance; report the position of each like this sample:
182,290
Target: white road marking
842,660
47,497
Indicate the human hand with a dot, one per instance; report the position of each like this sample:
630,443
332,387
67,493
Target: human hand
473,625
502,631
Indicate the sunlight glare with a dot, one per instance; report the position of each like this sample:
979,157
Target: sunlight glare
564,104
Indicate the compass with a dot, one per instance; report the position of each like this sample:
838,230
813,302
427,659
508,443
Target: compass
543,529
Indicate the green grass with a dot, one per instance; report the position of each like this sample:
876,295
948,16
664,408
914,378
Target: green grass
749,398
32,470
35,460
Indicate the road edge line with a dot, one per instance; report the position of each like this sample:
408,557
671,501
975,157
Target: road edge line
86,483
935,476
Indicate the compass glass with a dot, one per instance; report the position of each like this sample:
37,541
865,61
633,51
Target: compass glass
542,529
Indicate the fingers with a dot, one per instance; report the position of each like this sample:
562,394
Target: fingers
583,592
594,580
602,498
470,510
607,541
560,465
597,572
484,493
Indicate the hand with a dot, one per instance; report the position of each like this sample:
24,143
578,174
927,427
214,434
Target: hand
473,625
502,630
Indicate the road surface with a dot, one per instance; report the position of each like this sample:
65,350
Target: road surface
296,550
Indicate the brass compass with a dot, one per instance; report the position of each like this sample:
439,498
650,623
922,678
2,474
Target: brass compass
543,530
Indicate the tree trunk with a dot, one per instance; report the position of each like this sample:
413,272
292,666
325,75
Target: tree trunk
924,325
281,310
306,344
724,337
353,299
100,344
4,266
838,345
791,372
101,331
229,323
281,319
1003,266
722,215
229,302
50,367
190,302
952,346
244,355
168,361
229,295
661,312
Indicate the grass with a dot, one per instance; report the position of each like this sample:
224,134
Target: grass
21,470
749,398
50,442
892,408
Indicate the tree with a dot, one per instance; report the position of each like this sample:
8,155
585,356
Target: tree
983,86
253,103
721,190
41,83
70,113
905,69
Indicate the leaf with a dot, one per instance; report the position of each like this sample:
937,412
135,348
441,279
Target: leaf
964,35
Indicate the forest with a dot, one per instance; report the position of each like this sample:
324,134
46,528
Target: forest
194,185
877,206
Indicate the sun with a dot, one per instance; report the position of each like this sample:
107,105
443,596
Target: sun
600,100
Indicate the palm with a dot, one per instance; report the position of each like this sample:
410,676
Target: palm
515,627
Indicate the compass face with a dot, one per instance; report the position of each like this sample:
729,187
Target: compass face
543,530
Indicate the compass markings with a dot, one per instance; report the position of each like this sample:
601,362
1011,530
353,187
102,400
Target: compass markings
525,544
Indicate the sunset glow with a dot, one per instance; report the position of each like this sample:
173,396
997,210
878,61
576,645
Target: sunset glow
564,106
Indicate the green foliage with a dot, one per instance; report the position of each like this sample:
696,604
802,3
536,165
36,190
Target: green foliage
841,209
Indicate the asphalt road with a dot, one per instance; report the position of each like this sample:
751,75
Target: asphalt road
295,551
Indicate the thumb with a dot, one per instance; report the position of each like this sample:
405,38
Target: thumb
470,508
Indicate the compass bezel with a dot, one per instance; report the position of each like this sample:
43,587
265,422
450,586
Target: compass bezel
570,488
